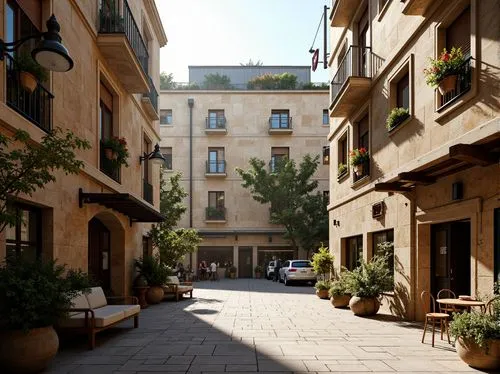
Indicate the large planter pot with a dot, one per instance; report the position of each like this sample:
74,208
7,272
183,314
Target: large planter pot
28,81
340,301
358,169
257,275
322,294
447,84
477,357
30,352
364,306
154,294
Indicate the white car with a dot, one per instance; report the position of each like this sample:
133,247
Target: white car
297,271
270,270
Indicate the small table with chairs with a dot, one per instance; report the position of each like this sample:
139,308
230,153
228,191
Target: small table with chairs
457,305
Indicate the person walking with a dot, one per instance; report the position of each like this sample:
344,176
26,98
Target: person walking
277,267
213,269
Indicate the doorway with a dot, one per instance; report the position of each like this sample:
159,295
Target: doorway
450,257
99,254
245,265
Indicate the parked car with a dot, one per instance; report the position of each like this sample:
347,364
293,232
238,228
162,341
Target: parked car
297,271
270,270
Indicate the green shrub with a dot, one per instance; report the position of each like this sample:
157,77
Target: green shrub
396,116
268,81
155,272
233,270
339,286
370,279
217,82
323,285
259,269
322,261
35,293
478,327
341,169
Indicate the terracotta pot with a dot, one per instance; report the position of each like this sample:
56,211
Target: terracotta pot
28,81
108,152
322,294
364,306
447,84
477,357
27,352
154,294
114,156
340,301
257,275
358,169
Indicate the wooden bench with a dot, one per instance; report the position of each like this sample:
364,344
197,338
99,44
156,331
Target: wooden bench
177,288
91,313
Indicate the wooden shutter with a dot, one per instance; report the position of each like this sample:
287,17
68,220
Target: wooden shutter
458,33
33,9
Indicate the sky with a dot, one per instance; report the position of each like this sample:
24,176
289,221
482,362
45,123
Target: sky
230,32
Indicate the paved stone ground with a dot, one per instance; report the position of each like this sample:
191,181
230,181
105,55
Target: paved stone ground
240,326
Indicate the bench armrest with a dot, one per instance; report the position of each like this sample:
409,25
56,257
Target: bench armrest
87,312
125,300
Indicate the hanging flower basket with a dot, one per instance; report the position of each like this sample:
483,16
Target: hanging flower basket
115,150
442,72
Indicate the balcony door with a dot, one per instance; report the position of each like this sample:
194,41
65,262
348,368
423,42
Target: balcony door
363,44
99,253
216,160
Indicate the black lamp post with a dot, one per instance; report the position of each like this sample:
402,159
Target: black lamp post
155,157
49,52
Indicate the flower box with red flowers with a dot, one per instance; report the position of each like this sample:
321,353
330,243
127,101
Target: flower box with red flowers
442,72
116,151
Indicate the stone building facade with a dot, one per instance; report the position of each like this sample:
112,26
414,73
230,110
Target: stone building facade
96,220
432,182
227,128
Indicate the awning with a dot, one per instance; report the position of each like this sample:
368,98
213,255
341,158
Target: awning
460,157
125,203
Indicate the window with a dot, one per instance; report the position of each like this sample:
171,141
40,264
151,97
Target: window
147,246
458,33
326,117
25,236
363,132
106,132
165,116
216,162
400,94
354,252
216,119
403,92
277,155
496,243
342,155
326,155
216,206
146,148
280,119
167,154
383,245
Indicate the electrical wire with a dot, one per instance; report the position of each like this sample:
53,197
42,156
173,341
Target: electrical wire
317,30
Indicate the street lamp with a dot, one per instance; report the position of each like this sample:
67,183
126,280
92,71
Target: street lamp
49,52
155,157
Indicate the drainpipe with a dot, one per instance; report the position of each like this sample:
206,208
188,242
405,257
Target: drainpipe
191,104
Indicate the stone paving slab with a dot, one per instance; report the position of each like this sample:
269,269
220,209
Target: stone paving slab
248,326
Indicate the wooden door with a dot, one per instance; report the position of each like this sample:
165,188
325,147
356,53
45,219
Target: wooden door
99,254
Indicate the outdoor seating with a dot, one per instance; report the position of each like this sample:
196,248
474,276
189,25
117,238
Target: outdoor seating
429,307
489,305
445,308
177,288
91,313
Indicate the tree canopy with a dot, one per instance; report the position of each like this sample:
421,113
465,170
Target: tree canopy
167,81
217,81
291,191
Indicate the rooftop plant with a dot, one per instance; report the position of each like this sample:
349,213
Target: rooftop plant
268,81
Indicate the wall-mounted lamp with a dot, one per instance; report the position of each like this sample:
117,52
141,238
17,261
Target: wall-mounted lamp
336,223
155,157
49,52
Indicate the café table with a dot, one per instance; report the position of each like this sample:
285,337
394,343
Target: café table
460,304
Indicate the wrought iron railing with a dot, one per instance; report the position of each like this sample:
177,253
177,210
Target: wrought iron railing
35,106
115,19
218,122
357,62
464,83
107,166
152,94
280,122
147,191
218,166
215,213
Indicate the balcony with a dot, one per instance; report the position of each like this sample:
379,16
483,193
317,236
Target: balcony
352,80
280,125
108,167
416,7
342,12
463,84
150,101
215,168
36,107
121,44
215,125
147,191
216,215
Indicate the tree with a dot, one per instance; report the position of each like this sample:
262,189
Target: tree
290,191
26,166
167,81
173,244
217,81
322,262
251,63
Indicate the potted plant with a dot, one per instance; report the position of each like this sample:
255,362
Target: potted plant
115,150
322,262
443,71
396,117
322,287
358,157
258,271
232,272
156,274
342,169
366,283
30,71
339,293
478,338
34,295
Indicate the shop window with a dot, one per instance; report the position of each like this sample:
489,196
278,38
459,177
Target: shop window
25,236
354,252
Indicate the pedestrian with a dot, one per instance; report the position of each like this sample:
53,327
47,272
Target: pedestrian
202,269
277,267
213,270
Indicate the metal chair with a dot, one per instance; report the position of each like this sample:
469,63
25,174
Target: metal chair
489,305
446,293
431,316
